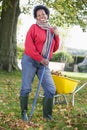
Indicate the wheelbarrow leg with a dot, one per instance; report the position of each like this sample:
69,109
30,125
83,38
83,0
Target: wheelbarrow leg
73,95
77,90
65,99
56,99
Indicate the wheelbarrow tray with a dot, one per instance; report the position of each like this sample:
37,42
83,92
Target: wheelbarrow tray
64,85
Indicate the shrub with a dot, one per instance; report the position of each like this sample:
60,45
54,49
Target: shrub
19,52
62,56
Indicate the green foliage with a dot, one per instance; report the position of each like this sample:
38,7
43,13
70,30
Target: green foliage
0,7
80,59
19,52
70,12
65,12
6,4
62,56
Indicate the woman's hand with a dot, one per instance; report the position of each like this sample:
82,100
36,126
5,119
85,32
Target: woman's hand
55,30
44,62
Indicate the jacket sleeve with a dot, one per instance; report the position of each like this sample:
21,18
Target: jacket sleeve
57,43
30,48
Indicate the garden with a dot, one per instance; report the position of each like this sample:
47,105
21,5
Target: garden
64,14
66,117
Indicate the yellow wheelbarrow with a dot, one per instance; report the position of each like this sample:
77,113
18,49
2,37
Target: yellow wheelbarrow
65,85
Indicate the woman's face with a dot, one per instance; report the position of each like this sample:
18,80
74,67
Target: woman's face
41,16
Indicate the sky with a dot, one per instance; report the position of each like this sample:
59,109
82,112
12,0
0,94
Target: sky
76,39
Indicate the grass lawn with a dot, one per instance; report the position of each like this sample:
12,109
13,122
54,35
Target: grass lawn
66,117
76,75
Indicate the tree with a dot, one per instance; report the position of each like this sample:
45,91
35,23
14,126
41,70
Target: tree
69,12
8,25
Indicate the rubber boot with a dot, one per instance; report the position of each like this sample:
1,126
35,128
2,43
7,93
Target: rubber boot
24,107
47,108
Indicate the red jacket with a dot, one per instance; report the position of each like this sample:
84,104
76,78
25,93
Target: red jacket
34,42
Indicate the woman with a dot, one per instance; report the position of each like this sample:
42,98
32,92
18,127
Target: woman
34,58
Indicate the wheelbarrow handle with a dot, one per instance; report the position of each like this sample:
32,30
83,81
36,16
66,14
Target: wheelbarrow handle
77,90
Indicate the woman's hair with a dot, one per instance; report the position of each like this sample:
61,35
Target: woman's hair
38,7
